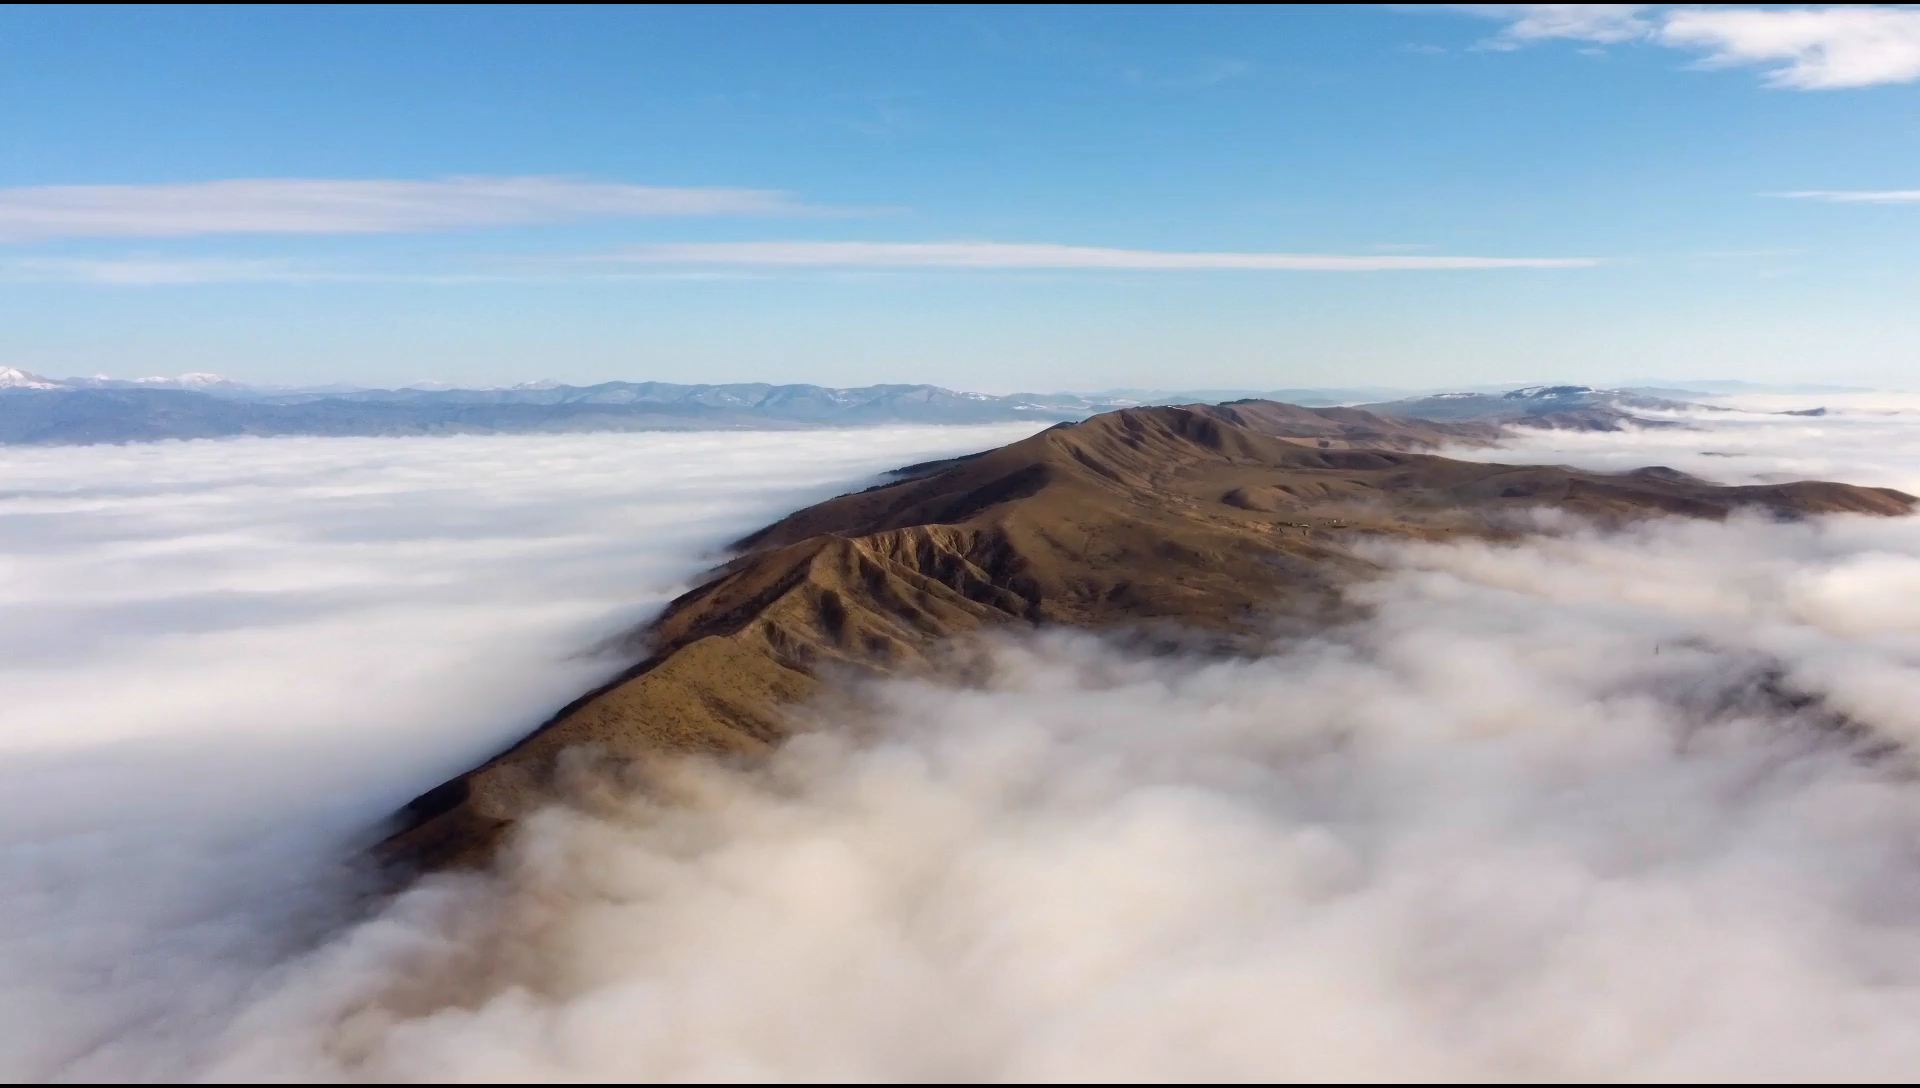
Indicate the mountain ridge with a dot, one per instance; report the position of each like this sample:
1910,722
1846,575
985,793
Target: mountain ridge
35,410
1555,407
1226,522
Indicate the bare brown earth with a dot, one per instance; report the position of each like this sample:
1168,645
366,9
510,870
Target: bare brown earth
1232,520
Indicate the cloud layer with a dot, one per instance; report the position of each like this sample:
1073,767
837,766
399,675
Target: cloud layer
225,660
1871,439
1586,808
337,206
1623,806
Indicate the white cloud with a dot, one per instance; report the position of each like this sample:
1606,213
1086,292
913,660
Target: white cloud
1582,807
1555,811
1528,23
144,271
225,660
157,271
332,206
1040,255
1805,48
1857,196
730,259
1867,438
1809,48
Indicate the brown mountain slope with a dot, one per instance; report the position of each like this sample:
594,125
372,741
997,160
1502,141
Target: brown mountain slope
1347,427
1228,519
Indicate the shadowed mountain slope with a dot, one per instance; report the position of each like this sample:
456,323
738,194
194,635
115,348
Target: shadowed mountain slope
1234,521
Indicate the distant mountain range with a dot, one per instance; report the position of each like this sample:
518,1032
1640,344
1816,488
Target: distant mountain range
1562,407
38,410
13,378
65,411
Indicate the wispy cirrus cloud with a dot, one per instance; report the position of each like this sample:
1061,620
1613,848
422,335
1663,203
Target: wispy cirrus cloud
354,206
161,271
1608,24
1855,196
732,260
1046,255
1807,48
146,271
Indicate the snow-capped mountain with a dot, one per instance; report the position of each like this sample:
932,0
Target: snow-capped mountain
198,381
1576,407
12,377
101,409
195,380
39,409
1561,392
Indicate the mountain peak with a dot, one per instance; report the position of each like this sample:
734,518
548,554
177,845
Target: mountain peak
1548,392
191,380
1231,521
12,377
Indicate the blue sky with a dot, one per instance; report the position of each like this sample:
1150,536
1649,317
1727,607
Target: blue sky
992,199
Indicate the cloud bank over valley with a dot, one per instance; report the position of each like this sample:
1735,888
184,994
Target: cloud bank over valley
1636,804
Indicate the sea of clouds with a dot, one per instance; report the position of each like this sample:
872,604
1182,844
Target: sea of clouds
222,661
1863,438
1634,805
